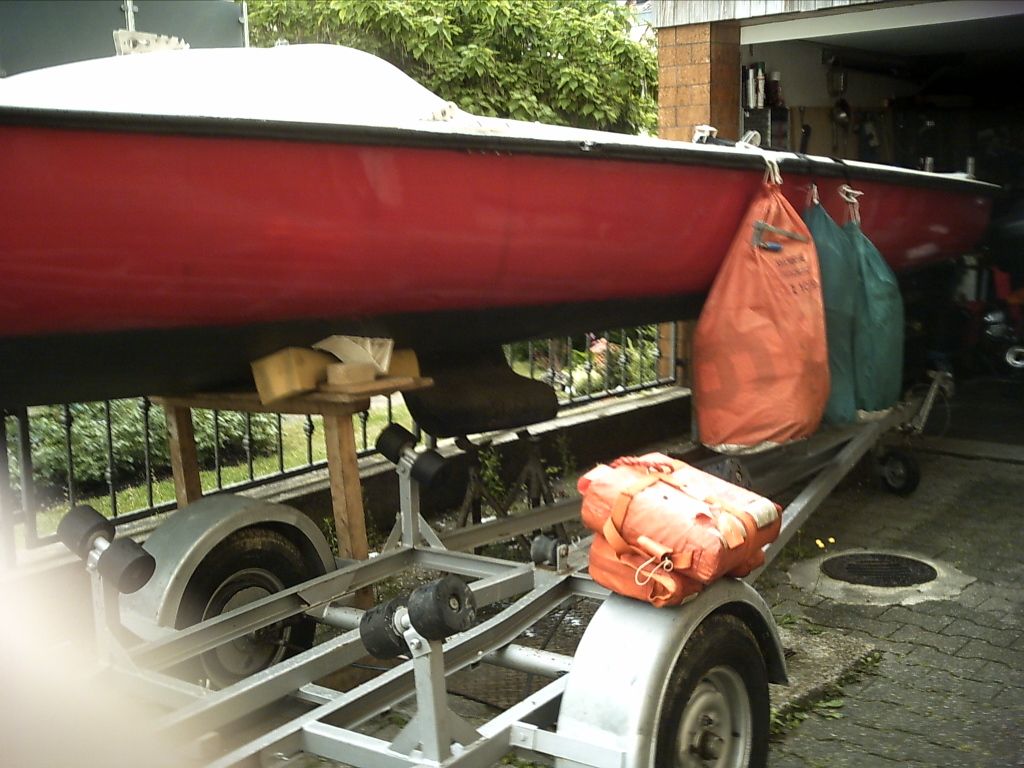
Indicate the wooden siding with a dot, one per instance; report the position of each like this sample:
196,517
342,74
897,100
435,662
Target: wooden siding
676,13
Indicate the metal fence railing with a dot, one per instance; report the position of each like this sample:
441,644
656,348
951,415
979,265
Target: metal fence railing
593,366
114,455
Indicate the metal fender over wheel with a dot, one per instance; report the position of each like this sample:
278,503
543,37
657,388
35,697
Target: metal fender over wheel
716,709
248,565
676,687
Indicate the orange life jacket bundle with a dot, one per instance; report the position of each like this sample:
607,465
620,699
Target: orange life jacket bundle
664,530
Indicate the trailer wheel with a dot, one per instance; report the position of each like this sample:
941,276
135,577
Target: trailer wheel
899,472
715,711
248,565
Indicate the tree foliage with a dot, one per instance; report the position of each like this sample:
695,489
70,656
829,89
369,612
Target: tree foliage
568,62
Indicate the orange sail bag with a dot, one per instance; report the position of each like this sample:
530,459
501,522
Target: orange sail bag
665,529
761,374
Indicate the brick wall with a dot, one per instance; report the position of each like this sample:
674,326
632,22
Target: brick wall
698,79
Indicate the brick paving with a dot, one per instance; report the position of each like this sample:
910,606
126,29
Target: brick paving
949,689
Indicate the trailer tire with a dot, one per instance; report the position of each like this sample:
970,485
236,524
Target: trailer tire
248,565
716,710
899,472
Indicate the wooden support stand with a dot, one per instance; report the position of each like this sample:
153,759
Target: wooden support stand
184,459
337,406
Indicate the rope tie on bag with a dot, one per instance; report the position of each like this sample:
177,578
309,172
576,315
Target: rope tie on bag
812,188
851,196
772,174
812,196
648,576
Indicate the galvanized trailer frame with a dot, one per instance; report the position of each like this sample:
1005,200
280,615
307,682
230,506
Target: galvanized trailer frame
599,707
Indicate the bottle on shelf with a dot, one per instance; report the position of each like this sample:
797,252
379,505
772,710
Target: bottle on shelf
773,95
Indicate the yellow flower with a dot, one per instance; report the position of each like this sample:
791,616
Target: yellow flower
820,543
831,540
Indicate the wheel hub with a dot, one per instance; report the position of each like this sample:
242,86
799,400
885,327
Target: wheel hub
709,745
716,724
895,473
250,653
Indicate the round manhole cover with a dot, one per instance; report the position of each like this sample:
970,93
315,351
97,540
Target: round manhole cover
876,569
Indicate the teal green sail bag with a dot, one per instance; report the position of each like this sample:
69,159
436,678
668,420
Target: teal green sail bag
878,324
840,278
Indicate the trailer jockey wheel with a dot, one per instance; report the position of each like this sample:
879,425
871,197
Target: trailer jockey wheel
248,565
544,550
715,711
899,472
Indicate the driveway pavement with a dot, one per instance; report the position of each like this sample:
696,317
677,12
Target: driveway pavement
945,684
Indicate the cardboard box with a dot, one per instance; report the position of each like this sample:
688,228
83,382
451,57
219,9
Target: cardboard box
290,371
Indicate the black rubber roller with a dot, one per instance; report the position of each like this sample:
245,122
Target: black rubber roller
80,527
427,467
378,633
442,608
393,441
126,565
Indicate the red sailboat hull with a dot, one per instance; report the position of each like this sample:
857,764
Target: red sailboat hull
162,256
109,231
168,218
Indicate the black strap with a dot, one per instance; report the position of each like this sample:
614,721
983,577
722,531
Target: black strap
845,169
806,159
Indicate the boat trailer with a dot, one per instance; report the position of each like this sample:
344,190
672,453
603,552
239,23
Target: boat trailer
645,687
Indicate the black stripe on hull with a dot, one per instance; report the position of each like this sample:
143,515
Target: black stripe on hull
82,367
